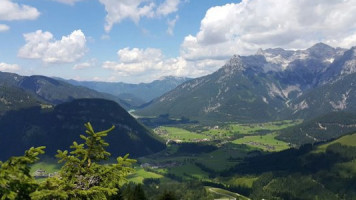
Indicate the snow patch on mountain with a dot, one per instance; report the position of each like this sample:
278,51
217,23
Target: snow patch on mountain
342,104
274,91
301,106
289,89
349,67
279,59
211,108
329,60
264,99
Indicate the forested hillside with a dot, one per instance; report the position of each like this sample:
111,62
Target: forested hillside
57,127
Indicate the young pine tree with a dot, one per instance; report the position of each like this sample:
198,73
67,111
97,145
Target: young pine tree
82,175
16,181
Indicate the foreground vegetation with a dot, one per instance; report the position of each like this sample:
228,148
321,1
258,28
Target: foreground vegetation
81,176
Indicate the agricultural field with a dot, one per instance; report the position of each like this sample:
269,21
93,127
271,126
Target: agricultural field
141,174
234,142
179,134
347,140
265,142
262,127
47,164
192,133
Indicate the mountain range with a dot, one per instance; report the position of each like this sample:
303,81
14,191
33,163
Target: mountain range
272,84
134,94
25,91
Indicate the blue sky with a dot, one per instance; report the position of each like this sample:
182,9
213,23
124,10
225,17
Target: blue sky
143,40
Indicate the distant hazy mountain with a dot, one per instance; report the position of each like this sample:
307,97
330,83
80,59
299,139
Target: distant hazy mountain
135,94
45,90
272,84
56,128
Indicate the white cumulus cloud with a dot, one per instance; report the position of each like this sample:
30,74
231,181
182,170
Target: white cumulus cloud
118,10
132,9
4,27
85,65
150,64
4,67
13,11
135,61
242,28
42,45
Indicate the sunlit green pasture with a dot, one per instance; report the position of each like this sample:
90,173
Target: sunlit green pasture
47,164
258,127
183,135
141,174
265,142
347,140
248,129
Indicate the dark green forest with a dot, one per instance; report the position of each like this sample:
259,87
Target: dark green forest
56,128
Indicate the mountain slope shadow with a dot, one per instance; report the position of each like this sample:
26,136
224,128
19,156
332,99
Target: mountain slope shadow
57,128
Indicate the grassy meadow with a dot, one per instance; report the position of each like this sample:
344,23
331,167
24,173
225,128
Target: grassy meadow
140,174
265,142
178,134
347,140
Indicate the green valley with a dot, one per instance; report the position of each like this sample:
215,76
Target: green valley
238,161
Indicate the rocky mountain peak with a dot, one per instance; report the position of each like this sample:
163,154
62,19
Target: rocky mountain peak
235,60
321,50
260,51
273,52
234,64
320,46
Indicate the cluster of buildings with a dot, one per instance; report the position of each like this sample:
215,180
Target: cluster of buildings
40,173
